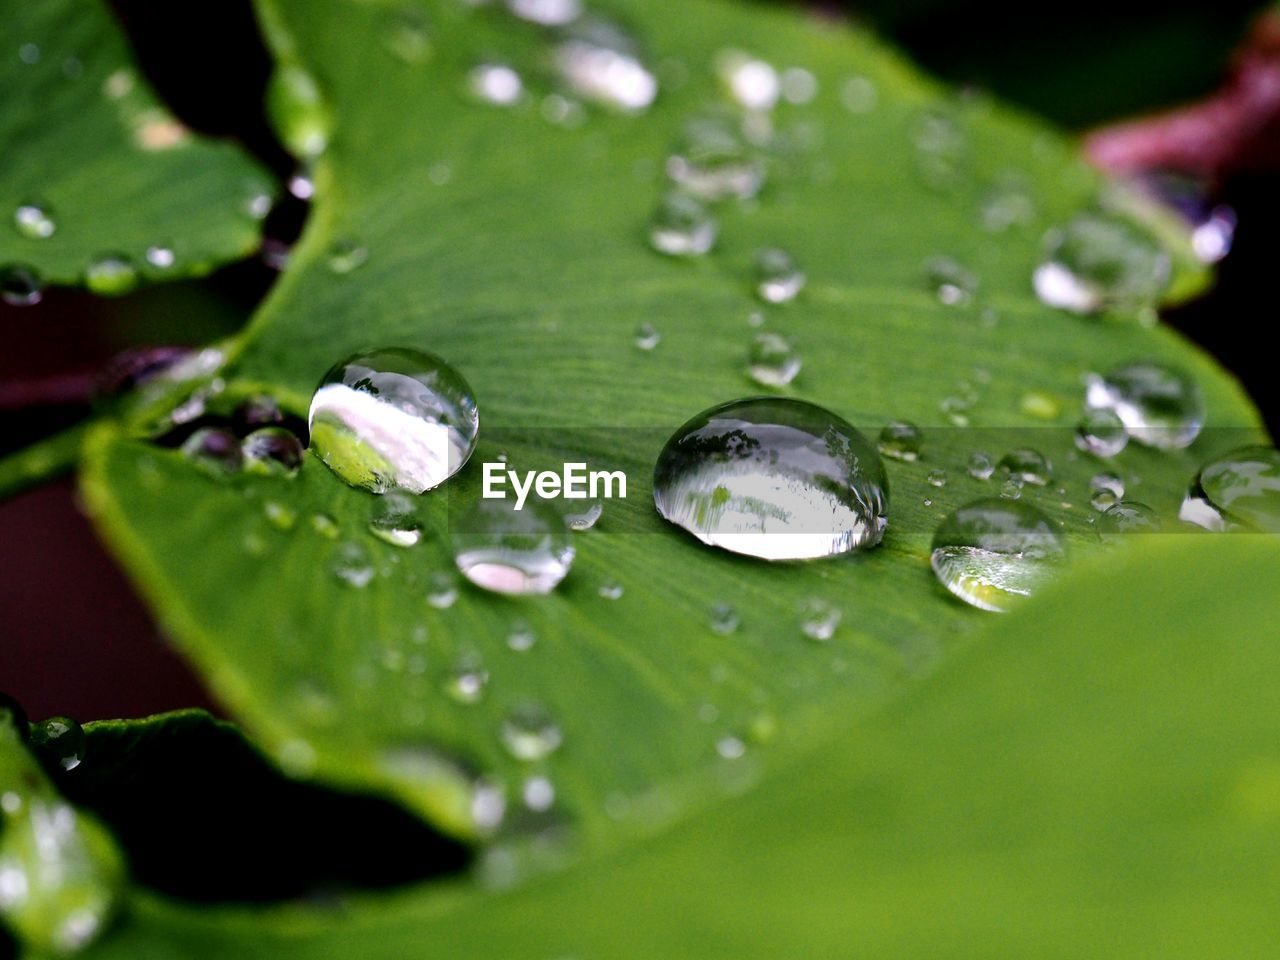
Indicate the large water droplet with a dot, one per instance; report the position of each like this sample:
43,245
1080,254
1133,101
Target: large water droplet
1096,261
529,733
272,451
34,221
394,418
682,227
61,740
1160,406
771,360
505,550
20,285
901,441
395,521
1243,488
993,553
714,162
1101,432
778,279
779,479
599,61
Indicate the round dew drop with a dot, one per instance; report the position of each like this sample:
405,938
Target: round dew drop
272,451
681,227
992,553
778,479
394,419
34,221
778,279
111,275
504,550
1160,406
1243,489
772,361
20,285
1101,432
1129,516
1096,261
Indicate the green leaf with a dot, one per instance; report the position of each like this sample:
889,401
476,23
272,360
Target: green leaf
516,249
86,140
1100,768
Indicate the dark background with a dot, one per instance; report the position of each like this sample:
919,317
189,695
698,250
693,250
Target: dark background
73,637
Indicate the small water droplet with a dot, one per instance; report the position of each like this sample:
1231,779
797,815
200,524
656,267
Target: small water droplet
272,451
496,83
1129,516
346,255
395,521
611,590
993,553
521,636
1243,487
442,590
1011,489
547,13
682,227
505,550
1006,204
772,361
600,62
951,282
778,479
29,53
467,681
529,733
713,162
111,275
584,515
753,84
724,619
980,466
1101,432
538,794
60,739
160,256
280,515
214,450
1027,466
1159,406
20,285
325,525
942,150
731,748
819,618
936,478
858,94
901,440
394,418
1098,261
778,279
34,221
1041,405
647,336
352,564
799,86
298,109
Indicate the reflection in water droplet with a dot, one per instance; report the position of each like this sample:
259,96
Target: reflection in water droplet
1129,516
1101,432
496,83
681,227
772,361
214,450
901,441
1027,466
345,255
952,282
529,733
394,418
352,564
724,619
600,62
936,478
778,279
61,740
1243,486
395,521
111,275
20,285
713,162
778,479
1097,261
34,221
819,618
647,336
513,551
1160,406
993,553
272,451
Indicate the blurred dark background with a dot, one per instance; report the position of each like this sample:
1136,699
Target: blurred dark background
73,637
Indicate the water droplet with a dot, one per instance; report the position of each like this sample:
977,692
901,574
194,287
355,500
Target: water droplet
496,83
272,451
772,361
611,590
513,551
160,256
599,61
713,162
34,221
61,740
521,636
298,109
799,86
1129,516
1244,487
1212,237
584,515
1007,204
1106,489
111,275
1041,405
395,521
538,794
346,255
29,53
1096,261
682,227
901,441
442,590
942,150
724,619
936,478
647,336
280,515
753,84
467,681
548,13
1160,406
952,283
394,418
325,525
1011,489
20,285
819,618
779,479
731,748
778,279
993,553
352,564
980,466
1027,466
529,733
858,94
1101,432
214,450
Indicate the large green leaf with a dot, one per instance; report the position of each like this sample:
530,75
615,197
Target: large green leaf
84,138
1100,771
515,248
